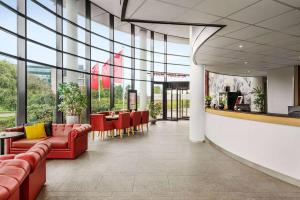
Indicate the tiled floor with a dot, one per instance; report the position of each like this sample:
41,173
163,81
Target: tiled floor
160,165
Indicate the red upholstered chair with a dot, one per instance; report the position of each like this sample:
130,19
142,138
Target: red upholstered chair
122,123
34,161
99,123
145,119
13,174
135,121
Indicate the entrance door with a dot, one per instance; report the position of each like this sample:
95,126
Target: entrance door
158,96
172,104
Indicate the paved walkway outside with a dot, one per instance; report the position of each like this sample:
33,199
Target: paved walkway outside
160,165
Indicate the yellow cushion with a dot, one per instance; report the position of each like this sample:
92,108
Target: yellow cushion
35,131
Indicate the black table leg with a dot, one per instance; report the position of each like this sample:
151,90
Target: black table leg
2,147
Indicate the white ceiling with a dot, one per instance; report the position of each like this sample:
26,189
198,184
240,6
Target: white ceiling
259,34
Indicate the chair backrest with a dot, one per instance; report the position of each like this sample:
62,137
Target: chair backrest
136,118
145,117
97,121
124,119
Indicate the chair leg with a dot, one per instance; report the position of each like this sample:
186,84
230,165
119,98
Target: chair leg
147,127
128,131
132,130
93,135
120,133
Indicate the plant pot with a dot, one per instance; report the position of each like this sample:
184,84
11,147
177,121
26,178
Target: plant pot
72,119
221,106
153,121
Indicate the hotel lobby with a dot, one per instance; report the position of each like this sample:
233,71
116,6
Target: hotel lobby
149,99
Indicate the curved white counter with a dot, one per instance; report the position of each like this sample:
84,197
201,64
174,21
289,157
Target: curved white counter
261,140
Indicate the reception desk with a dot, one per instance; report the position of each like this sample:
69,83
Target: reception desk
269,143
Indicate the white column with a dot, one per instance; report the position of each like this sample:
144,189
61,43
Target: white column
197,106
143,74
72,62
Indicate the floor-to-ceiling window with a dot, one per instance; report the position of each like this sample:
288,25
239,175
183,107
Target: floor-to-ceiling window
46,43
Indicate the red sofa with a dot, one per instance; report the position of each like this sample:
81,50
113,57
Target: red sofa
67,140
27,169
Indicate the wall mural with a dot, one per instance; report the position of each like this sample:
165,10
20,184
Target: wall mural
218,83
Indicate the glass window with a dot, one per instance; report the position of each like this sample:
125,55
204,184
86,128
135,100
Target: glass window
122,31
74,11
41,93
80,79
100,87
41,54
73,47
178,46
41,15
100,21
8,43
8,19
11,3
100,42
159,44
178,60
178,73
99,55
73,62
8,92
73,31
120,93
41,34
50,4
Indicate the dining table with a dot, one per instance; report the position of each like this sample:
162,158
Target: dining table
112,117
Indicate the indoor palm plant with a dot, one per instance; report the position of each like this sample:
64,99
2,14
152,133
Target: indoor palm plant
259,99
72,102
154,111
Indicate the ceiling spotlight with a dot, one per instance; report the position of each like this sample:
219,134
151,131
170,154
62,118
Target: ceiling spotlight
245,62
241,46
249,71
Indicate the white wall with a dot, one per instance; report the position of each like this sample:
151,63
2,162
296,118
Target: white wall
272,146
280,89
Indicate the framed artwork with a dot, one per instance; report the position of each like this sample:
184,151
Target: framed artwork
132,100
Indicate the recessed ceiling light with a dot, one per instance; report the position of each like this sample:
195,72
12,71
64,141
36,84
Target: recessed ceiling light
241,46
245,62
249,71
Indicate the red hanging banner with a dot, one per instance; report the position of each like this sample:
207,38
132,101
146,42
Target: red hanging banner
95,83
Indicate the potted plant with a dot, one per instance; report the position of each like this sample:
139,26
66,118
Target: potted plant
73,102
259,100
154,111
222,103
208,101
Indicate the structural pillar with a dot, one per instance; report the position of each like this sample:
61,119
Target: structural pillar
72,61
197,106
143,71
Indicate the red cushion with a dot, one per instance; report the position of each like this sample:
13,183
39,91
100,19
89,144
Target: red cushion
17,169
8,183
7,157
25,143
58,142
4,194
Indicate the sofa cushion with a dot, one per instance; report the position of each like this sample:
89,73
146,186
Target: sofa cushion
9,183
35,131
61,130
4,193
25,143
58,142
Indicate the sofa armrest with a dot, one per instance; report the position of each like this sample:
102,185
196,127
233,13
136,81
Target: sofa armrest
7,157
32,158
80,131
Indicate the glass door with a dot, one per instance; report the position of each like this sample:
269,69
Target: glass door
172,104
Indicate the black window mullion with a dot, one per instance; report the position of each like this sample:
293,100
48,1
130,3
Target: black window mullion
132,56
165,59
88,56
111,48
152,66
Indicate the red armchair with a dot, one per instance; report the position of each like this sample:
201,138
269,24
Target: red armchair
135,120
13,174
145,119
99,123
67,140
34,180
122,123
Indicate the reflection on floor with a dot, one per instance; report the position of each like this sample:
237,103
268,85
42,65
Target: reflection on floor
161,164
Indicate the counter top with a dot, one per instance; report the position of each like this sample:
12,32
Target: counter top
260,117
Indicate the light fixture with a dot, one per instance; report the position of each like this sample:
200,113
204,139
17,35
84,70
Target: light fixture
245,62
241,46
249,71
